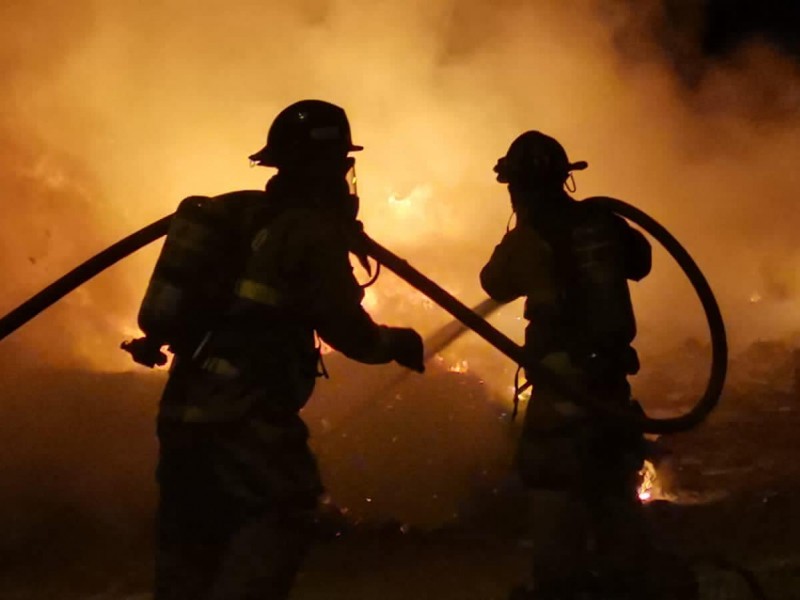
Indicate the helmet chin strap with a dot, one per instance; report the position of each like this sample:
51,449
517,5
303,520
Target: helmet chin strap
351,176
570,184
510,217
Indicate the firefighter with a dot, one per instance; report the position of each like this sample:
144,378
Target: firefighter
572,262
244,283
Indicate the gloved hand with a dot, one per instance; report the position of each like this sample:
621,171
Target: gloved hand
358,245
406,348
145,352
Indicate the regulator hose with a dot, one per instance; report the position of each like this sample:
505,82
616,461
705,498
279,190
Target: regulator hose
111,255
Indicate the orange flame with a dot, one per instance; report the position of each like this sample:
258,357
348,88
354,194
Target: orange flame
461,366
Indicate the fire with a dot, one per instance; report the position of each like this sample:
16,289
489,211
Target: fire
425,177
648,481
418,214
461,366
419,194
394,199
651,486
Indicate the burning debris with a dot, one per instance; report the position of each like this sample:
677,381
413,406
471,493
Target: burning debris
461,366
652,486
648,484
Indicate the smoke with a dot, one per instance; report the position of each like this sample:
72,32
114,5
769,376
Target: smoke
118,110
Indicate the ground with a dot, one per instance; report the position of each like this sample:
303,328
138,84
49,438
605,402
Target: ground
76,504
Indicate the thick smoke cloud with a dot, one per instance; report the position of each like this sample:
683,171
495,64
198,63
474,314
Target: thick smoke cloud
118,110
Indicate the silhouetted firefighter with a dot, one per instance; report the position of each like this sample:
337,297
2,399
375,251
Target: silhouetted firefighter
241,286
572,262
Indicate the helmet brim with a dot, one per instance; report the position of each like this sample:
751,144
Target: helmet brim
503,175
262,158
578,166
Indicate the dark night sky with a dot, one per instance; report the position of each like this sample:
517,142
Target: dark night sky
728,23
731,21
696,34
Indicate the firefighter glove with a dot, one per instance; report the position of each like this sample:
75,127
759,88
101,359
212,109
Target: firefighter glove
406,348
145,352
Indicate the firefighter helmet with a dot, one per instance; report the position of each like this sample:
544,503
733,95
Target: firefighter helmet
307,130
538,158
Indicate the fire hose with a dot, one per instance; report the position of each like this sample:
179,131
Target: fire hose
95,265
719,347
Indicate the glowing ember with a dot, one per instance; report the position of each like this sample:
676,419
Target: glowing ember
524,393
462,366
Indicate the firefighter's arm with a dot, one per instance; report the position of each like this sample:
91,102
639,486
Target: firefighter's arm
497,276
518,266
332,301
638,253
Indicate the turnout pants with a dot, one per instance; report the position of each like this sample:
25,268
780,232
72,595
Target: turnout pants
235,509
586,522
